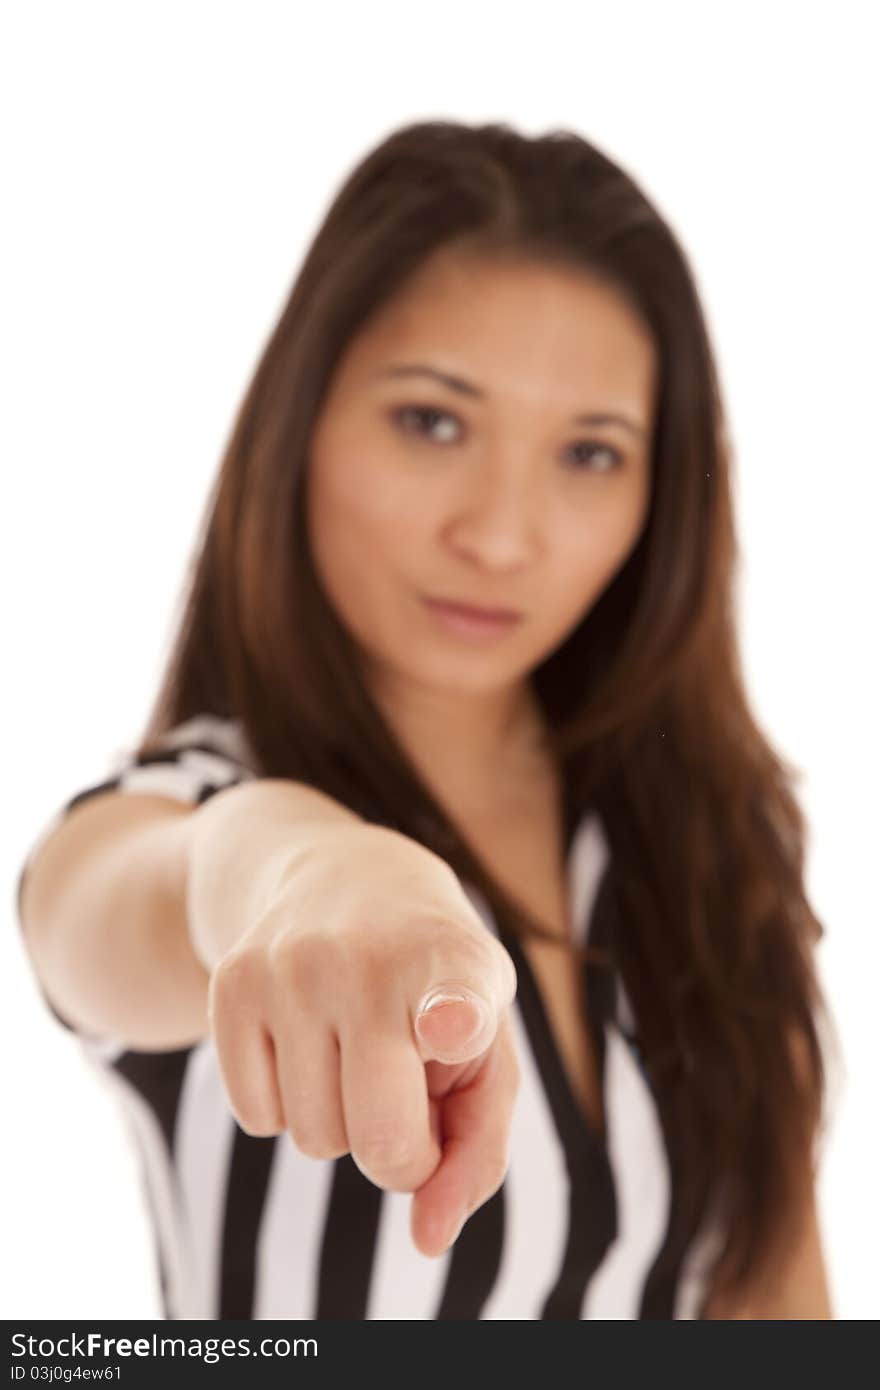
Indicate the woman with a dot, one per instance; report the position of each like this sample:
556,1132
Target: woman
491,386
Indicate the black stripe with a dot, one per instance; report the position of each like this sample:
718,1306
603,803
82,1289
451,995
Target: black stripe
689,1204
660,1285
592,1222
158,1078
592,1227
109,785
662,1281
592,1209
568,1118
475,1261
348,1246
209,788
245,1198
172,755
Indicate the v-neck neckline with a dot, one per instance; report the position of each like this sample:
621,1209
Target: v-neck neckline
577,1128
589,921
586,880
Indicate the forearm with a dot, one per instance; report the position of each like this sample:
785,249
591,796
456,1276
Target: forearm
107,909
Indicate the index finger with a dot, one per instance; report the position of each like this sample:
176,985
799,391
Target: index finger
476,1120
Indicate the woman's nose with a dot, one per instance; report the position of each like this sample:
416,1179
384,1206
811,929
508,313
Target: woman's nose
498,514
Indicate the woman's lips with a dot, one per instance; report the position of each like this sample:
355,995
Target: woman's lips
469,621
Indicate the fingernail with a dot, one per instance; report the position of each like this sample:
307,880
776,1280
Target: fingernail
436,998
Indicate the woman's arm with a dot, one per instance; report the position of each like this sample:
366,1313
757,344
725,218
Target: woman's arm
104,904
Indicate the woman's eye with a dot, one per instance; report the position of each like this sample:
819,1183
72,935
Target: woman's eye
610,458
421,419
424,420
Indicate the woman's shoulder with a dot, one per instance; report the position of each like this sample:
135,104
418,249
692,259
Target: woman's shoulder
188,762
215,736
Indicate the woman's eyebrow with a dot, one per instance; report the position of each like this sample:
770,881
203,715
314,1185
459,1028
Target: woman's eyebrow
467,388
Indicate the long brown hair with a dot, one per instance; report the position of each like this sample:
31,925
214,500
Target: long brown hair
645,701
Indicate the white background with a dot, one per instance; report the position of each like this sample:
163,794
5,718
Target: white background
165,165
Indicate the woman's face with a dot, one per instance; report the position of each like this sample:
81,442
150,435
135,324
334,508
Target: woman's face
489,491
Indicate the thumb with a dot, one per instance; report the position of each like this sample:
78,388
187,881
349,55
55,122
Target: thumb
453,1024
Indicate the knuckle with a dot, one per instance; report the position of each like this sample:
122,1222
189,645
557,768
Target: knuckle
255,1120
231,1003
388,1154
314,1142
299,958
236,973
314,1123
368,947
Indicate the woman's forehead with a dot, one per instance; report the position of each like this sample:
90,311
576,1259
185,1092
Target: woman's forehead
521,332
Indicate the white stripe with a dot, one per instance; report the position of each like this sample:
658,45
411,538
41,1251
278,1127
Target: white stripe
203,1149
226,735
291,1232
161,1183
536,1196
406,1284
642,1182
587,860
693,1280
184,778
624,1015
103,1051
636,1148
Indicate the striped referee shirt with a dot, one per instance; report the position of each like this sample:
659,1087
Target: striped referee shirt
248,1227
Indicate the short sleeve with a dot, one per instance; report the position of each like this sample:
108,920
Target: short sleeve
190,762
